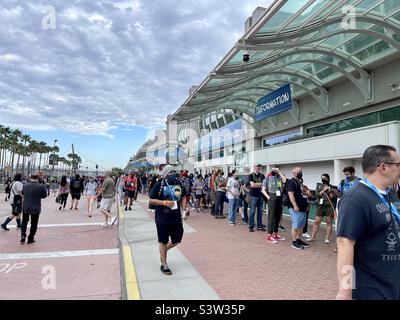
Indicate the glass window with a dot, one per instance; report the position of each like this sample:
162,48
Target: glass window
280,139
390,114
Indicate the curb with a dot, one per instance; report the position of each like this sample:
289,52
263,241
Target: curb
129,283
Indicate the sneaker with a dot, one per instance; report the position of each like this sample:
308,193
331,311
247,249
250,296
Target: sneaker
336,250
271,239
19,227
130,208
231,223
301,242
282,228
166,270
4,227
296,245
105,225
31,241
22,239
251,229
306,235
327,241
310,240
126,208
278,237
261,229
113,221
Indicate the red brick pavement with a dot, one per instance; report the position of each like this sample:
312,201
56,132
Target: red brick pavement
242,265
87,277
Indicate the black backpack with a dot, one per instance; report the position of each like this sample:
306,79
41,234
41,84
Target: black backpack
285,195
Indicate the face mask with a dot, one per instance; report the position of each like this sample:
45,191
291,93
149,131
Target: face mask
300,175
348,178
171,177
324,181
273,173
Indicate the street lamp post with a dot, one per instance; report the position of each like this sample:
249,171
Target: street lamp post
54,147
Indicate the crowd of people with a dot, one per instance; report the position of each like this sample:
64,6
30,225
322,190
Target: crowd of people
367,212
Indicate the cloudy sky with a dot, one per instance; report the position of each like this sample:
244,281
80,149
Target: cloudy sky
110,71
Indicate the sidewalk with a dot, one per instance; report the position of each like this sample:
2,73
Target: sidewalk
235,263
82,256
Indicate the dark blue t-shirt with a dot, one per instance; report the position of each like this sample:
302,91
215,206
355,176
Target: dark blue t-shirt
295,187
364,218
173,192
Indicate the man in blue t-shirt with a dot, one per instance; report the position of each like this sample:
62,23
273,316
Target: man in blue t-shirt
369,231
349,181
166,197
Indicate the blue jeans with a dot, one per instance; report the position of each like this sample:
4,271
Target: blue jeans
233,208
256,203
144,187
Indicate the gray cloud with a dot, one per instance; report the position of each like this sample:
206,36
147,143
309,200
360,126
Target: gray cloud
109,63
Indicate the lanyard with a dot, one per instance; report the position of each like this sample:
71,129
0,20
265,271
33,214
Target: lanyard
392,208
170,190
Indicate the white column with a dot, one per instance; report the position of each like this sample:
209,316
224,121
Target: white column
339,165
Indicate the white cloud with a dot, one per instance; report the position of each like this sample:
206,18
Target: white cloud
109,63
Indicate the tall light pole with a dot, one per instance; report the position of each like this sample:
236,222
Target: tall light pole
54,147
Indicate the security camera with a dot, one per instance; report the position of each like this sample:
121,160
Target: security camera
246,56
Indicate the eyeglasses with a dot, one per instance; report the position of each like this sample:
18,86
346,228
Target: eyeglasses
396,163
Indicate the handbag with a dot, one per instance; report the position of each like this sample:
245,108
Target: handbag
58,199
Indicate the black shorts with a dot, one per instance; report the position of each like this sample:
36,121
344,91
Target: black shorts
175,231
16,209
130,194
76,196
199,196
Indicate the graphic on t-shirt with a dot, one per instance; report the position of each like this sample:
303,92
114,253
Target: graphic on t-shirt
176,193
391,241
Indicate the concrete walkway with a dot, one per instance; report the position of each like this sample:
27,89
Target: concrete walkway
139,230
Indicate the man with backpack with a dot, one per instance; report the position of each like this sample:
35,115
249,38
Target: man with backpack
76,189
187,186
298,194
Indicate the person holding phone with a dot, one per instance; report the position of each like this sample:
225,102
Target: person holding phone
326,196
165,196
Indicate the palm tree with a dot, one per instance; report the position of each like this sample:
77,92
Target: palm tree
14,139
75,161
25,139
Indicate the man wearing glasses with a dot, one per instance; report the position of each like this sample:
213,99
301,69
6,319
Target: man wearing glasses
369,230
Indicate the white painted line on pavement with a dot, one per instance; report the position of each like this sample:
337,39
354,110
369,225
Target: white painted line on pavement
66,225
57,254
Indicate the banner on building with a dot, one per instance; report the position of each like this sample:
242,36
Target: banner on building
276,102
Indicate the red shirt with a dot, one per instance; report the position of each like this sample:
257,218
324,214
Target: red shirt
130,183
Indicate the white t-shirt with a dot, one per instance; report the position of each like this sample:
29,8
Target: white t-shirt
16,190
234,186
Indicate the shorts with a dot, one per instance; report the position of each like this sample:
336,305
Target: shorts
199,196
165,231
16,209
76,196
130,194
106,204
324,211
298,218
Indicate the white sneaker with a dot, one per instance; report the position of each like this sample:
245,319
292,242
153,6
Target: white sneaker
327,241
306,235
105,225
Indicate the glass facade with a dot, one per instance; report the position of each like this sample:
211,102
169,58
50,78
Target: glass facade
213,144
271,141
357,122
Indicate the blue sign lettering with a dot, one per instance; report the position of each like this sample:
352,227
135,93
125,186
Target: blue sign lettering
274,103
